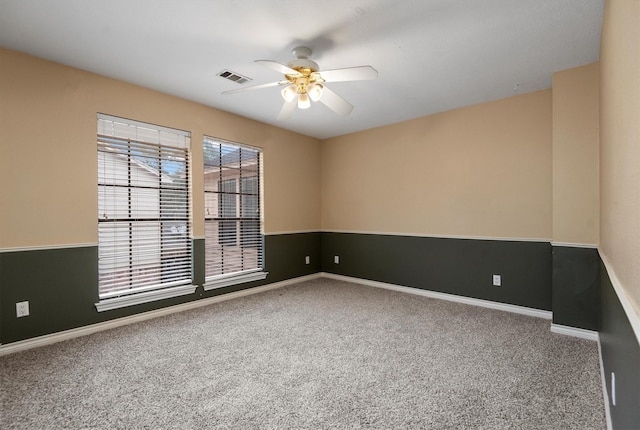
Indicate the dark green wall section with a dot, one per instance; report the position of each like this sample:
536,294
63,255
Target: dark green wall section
284,259
61,284
197,268
575,296
456,266
285,256
620,354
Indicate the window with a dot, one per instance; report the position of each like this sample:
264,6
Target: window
144,219
233,219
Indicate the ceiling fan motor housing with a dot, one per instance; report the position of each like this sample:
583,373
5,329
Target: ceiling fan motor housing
302,63
301,52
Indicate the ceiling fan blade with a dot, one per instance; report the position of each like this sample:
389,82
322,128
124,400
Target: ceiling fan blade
360,73
287,109
335,102
274,65
256,87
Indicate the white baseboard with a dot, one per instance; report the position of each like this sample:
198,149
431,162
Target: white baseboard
575,332
49,339
444,296
83,331
94,328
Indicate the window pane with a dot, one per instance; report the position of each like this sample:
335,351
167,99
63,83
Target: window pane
233,236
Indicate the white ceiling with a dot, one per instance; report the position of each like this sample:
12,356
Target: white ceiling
431,55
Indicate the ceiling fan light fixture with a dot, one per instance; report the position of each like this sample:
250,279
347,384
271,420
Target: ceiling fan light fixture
289,92
303,101
315,91
304,82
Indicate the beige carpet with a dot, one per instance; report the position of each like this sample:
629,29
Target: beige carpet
317,355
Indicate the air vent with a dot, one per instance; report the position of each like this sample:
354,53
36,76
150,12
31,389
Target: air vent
232,76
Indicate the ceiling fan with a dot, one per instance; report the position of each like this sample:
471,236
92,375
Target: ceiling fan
304,82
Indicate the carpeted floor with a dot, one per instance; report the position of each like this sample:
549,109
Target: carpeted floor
320,354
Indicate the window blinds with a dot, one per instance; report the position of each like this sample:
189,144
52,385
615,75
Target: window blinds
144,220
233,222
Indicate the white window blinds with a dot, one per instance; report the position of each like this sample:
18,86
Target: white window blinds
144,219
233,222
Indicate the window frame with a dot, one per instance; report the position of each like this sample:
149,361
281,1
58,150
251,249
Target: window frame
167,270
240,219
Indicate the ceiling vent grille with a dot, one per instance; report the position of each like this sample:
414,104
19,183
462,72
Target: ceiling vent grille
232,76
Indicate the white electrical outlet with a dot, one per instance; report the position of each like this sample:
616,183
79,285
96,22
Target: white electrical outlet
22,309
336,259
307,260
497,280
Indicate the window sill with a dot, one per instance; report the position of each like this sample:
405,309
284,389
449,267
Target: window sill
214,283
146,297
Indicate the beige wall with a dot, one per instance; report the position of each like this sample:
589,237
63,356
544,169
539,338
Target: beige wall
48,152
576,137
482,171
620,144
